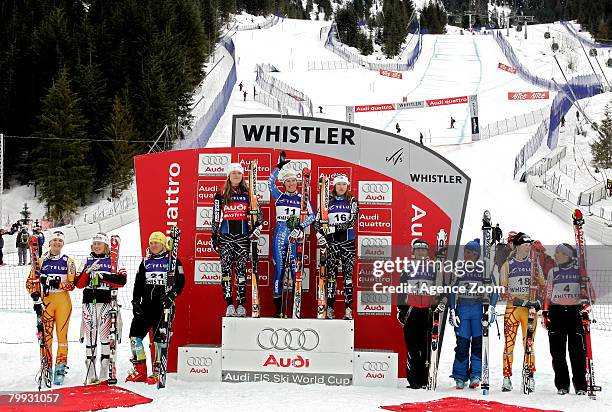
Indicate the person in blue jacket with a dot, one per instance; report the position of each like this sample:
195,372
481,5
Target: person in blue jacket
466,311
287,214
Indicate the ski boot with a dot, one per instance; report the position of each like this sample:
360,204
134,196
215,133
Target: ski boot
154,378
104,367
562,392
60,372
531,385
139,373
474,382
459,384
231,311
348,314
580,392
507,384
330,312
240,311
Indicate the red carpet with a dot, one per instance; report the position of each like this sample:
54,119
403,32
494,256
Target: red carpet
460,404
80,398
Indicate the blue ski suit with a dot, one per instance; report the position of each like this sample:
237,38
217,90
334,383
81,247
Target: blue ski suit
468,307
287,205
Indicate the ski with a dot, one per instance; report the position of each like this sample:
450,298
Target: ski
438,317
165,327
114,334
299,265
46,370
253,206
287,272
323,207
486,258
527,375
585,295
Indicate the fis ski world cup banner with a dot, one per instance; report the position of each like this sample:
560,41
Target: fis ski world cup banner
405,192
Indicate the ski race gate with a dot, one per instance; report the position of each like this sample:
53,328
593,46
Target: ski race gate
405,191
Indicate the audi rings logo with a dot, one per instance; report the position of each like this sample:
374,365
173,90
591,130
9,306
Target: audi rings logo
199,361
374,298
376,188
214,160
375,242
292,339
209,267
298,165
206,212
375,366
261,187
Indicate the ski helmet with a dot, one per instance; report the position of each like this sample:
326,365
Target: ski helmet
340,178
235,167
101,237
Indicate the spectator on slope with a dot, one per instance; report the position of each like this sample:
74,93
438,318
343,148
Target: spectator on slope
21,242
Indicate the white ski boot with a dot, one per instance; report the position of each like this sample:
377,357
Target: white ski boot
348,314
507,384
330,312
240,311
231,311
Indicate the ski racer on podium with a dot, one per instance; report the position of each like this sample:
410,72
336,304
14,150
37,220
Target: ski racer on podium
97,281
154,290
231,236
52,284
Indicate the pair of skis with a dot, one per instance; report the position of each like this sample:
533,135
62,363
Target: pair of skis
114,334
254,207
46,370
165,325
528,367
438,316
323,207
585,295
487,237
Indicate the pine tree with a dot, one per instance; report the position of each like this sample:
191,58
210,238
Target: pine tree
119,152
60,166
25,213
601,149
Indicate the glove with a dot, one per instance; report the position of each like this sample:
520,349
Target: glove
35,296
168,300
255,233
94,266
545,319
439,308
53,283
321,241
137,310
402,316
453,319
281,161
329,230
296,235
536,304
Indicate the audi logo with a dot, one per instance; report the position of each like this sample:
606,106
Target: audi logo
375,366
206,212
209,267
214,160
298,165
292,339
374,298
261,241
376,187
199,361
261,187
368,241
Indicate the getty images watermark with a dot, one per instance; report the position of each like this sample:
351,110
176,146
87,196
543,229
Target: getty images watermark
417,274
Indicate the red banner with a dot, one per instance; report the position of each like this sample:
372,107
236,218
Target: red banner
390,73
446,101
177,188
374,107
509,69
528,95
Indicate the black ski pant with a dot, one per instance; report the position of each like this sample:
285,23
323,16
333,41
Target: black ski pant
417,336
565,332
234,251
340,253
142,325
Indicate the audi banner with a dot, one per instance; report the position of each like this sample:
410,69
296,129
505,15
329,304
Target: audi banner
406,191
375,368
199,363
507,68
517,96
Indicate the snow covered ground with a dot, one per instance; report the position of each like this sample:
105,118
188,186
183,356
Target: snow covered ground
19,359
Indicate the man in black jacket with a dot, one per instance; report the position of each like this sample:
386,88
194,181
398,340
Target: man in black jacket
154,290
21,242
